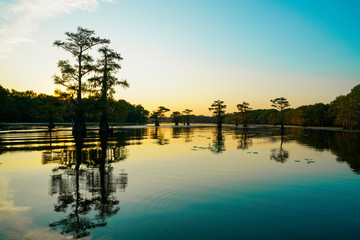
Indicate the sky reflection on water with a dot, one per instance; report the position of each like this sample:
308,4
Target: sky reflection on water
180,182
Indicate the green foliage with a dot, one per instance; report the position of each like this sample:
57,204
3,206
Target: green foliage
159,113
280,104
77,44
103,83
218,109
243,109
176,117
137,114
234,118
72,75
28,106
31,107
346,109
187,116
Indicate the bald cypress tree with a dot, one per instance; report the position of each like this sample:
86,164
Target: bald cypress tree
218,109
73,75
159,113
106,80
280,104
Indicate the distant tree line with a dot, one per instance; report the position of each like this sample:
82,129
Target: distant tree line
31,107
343,112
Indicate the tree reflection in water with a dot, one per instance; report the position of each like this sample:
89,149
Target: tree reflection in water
280,154
86,187
218,143
244,141
159,136
183,132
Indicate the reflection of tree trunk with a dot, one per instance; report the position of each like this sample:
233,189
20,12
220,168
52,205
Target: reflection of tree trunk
280,155
50,140
79,123
79,139
77,186
244,120
104,125
103,139
51,123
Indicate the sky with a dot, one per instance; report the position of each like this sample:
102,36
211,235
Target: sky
188,53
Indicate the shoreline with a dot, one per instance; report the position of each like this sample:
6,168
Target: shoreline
93,126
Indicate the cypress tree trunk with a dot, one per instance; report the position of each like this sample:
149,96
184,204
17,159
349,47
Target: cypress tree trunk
104,125
79,124
157,122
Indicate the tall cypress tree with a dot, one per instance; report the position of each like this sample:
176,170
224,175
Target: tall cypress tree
72,76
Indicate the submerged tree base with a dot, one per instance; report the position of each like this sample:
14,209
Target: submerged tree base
79,127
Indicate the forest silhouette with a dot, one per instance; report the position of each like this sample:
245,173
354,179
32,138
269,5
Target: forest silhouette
89,98
30,107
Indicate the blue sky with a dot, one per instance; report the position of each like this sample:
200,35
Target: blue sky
186,54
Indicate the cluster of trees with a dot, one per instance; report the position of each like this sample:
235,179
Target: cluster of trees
85,75
343,112
29,106
41,108
175,116
97,79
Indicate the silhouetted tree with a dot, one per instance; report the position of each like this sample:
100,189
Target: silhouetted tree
218,109
106,68
77,44
159,113
280,104
137,114
243,110
176,117
187,116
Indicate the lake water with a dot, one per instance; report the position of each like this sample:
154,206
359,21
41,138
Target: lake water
180,183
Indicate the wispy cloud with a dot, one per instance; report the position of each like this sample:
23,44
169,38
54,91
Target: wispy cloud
19,20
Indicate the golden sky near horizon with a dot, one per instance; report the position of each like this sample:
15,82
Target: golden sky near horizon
185,54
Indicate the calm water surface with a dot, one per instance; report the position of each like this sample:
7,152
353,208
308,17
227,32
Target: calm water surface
180,183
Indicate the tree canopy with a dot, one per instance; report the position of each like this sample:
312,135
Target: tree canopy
159,113
77,43
218,109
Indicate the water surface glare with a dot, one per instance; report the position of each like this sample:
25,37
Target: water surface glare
181,182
